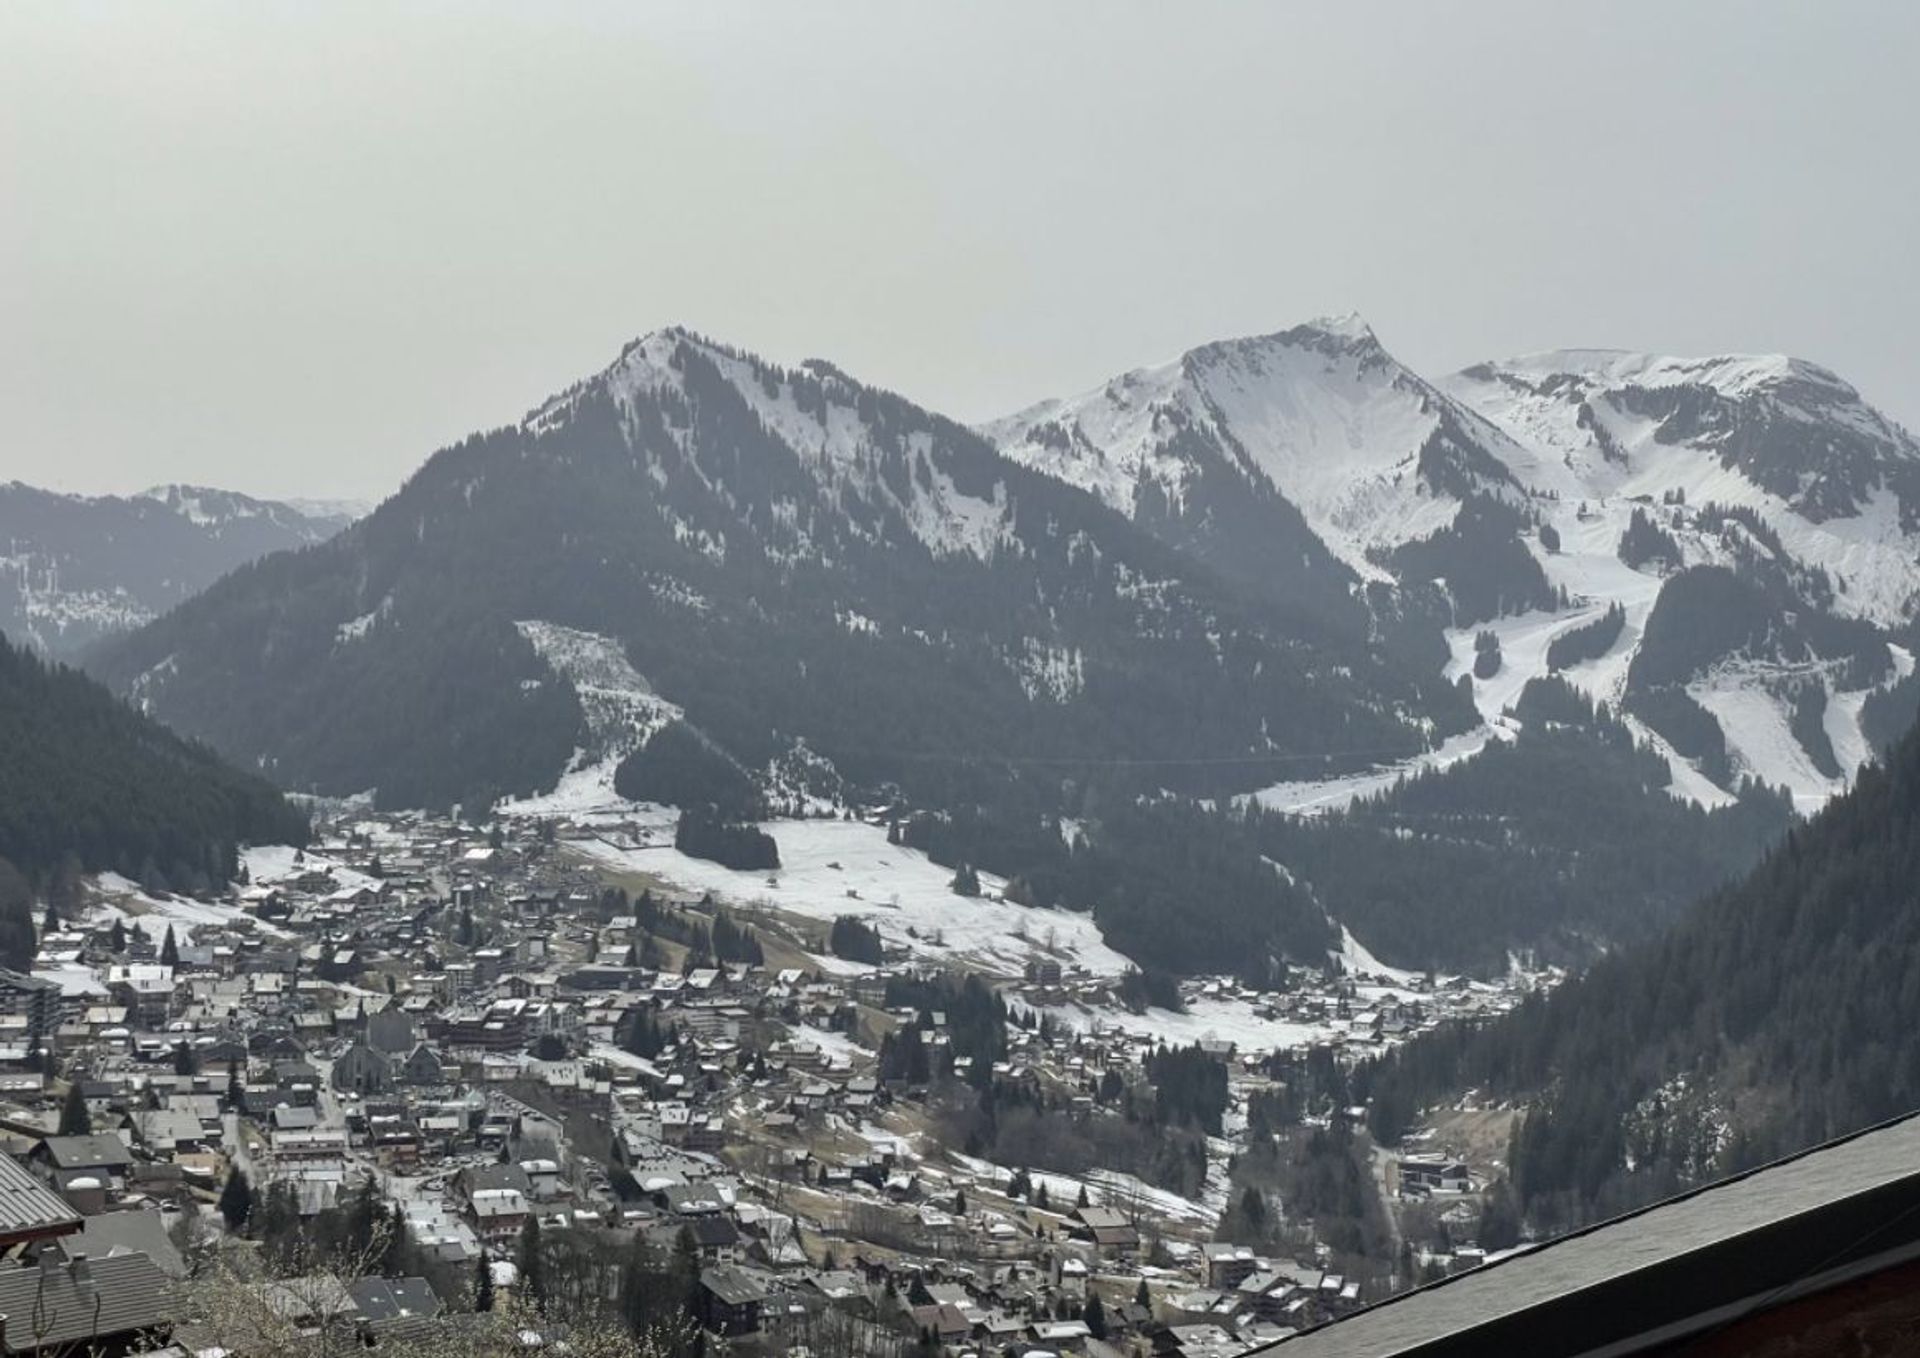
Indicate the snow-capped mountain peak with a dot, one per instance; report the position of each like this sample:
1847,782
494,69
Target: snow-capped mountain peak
1370,453
855,442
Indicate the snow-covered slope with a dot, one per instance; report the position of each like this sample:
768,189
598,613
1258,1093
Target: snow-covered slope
1838,482
1770,467
1368,452
816,412
620,709
1765,465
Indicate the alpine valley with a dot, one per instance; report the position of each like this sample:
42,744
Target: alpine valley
1276,638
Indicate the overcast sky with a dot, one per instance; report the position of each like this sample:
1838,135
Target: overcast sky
293,248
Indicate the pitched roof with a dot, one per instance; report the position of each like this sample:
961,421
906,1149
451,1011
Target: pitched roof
84,1300
732,1285
109,1235
28,1208
81,1152
386,1299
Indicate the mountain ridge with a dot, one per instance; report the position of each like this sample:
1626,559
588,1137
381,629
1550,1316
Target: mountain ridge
690,478
1509,498
78,568
807,573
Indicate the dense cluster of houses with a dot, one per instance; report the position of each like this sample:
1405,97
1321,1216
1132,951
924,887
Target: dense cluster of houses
466,1021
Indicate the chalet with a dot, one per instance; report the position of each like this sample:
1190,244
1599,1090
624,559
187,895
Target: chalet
103,1158
1066,1336
146,989
383,1301
948,1323
1228,1265
731,1300
497,1214
1433,1174
1108,1229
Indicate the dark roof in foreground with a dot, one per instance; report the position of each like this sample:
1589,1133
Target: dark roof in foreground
386,1299
28,1208
1681,1267
109,1297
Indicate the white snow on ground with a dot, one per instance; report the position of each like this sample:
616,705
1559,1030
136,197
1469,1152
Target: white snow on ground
833,438
271,864
1523,653
1321,413
1762,743
1228,1020
1309,797
357,628
1105,1188
1114,1187
1759,734
620,706
838,1048
1842,721
1688,782
626,1060
1358,961
584,793
622,713
1869,551
153,916
831,868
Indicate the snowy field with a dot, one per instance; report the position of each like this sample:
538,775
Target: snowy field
272,864
1213,1018
1314,798
1104,1188
584,795
831,868
152,916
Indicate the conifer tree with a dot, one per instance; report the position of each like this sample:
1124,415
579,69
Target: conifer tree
236,1200
533,1264
75,1120
1095,1316
483,1284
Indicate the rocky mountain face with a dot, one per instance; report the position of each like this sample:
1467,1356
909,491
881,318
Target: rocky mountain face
1504,660
75,569
1724,548
789,559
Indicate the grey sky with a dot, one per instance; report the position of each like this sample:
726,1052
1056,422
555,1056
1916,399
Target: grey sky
293,248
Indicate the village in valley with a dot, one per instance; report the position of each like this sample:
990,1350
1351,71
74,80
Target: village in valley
858,1103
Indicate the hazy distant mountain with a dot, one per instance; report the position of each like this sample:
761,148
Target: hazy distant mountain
76,568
